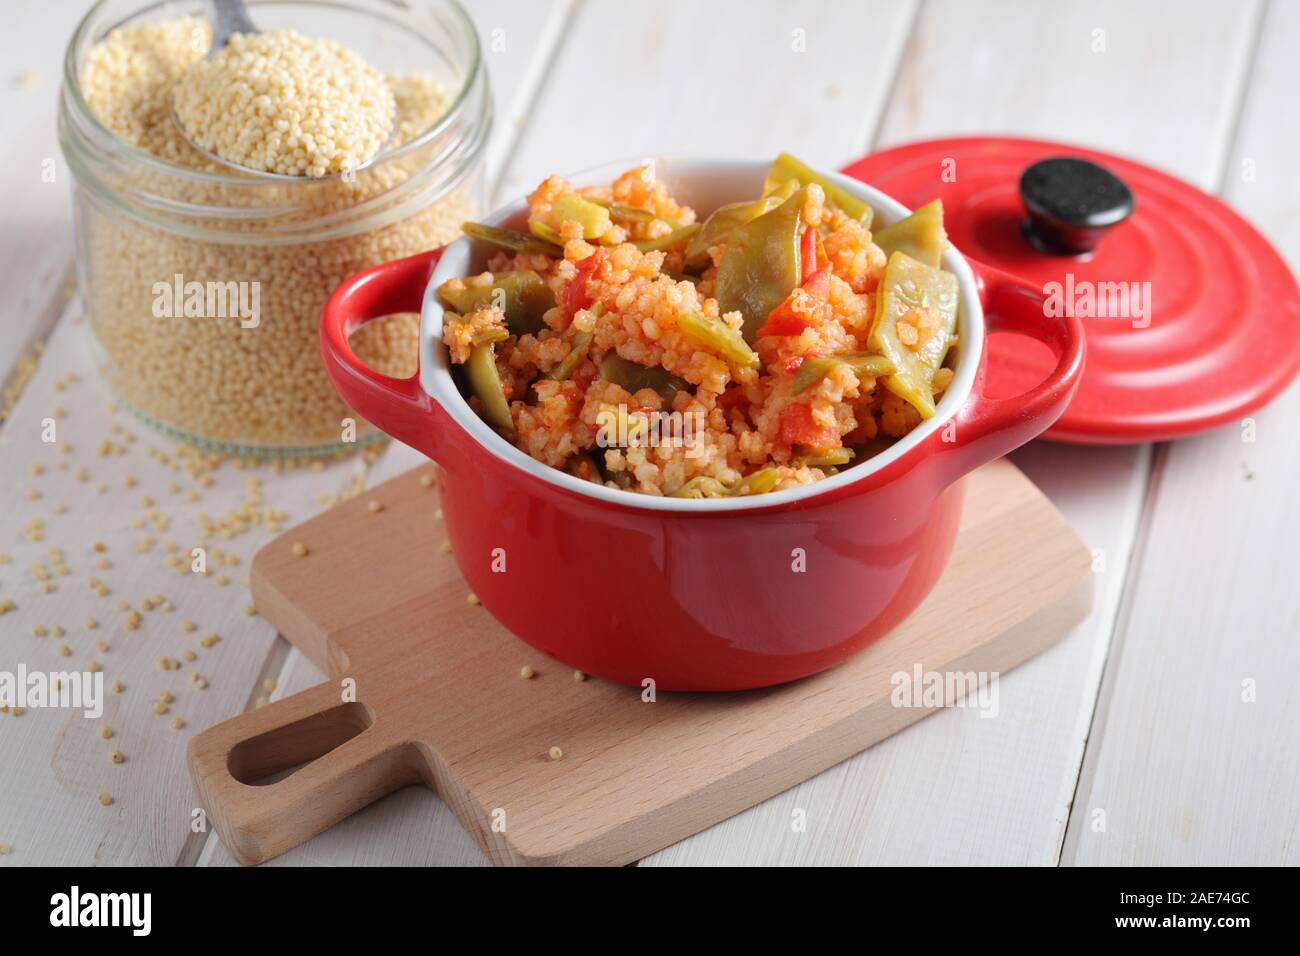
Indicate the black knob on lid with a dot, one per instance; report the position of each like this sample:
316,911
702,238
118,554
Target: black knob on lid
1071,202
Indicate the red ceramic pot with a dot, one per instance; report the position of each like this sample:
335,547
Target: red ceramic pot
699,594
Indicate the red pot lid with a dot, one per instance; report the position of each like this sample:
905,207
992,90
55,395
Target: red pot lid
1192,317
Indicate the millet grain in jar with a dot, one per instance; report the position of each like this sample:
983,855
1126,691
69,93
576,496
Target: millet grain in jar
241,380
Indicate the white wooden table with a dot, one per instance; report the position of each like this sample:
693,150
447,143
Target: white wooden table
1165,729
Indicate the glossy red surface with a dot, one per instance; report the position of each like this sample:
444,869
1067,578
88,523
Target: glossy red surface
699,600
1222,332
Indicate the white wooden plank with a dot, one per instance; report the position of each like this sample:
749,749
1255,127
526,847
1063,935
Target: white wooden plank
1185,768
38,214
957,788
518,39
727,78
49,811
1163,84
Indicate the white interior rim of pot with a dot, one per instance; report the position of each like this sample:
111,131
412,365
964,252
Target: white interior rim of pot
436,379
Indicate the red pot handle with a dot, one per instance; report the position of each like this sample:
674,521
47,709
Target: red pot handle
987,428
398,406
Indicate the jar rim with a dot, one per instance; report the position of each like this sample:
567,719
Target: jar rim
72,87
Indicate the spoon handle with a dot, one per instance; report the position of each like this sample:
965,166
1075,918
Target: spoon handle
228,16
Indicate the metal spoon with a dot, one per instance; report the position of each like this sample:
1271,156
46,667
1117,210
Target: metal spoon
229,17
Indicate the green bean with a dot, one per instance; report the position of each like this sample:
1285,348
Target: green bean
785,167
909,285
833,458
727,219
718,336
523,296
761,265
626,213
632,377
758,483
676,237
577,353
511,239
593,217
813,370
705,486
489,336
701,486
486,385
546,234
920,235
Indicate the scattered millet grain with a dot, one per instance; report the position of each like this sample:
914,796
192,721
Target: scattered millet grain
105,799
268,685
555,753
579,676
106,732
472,599
527,672
299,549
118,687
159,707
117,756
177,723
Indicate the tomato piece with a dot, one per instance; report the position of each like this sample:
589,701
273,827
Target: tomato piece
798,427
576,297
785,319
823,260
732,397
808,251
818,284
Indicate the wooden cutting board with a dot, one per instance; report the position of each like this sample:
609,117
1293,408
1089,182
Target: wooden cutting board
425,688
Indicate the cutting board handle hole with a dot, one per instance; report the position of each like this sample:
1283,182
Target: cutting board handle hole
271,756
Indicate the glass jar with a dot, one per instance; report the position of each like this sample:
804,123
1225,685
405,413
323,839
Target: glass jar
203,286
